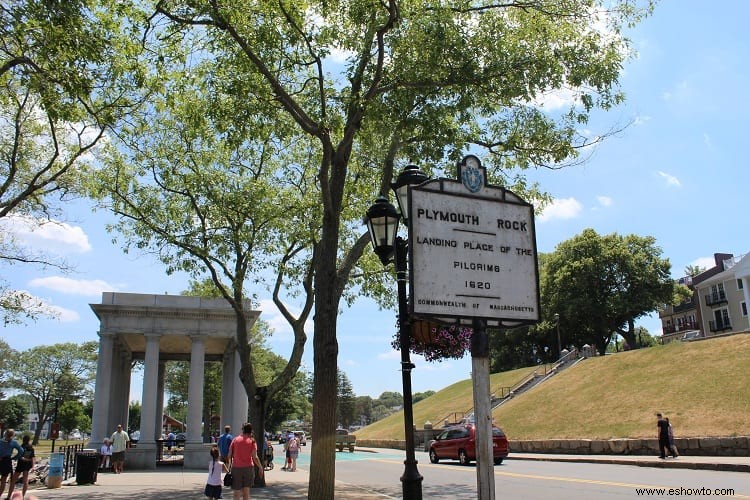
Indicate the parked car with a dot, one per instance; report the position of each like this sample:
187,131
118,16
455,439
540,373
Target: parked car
693,334
458,443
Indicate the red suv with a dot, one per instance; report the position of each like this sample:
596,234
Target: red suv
457,442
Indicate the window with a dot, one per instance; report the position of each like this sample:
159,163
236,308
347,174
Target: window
744,309
739,284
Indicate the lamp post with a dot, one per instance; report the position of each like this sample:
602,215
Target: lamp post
382,223
559,345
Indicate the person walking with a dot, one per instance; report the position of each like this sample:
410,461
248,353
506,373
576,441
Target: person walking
223,443
7,445
663,435
119,440
215,468
292,445
24,464
244,460
672,446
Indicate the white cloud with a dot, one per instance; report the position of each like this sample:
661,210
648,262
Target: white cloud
40,232
704,262
88,288
604,201
65,315
680,92
555,99
350,362
707,141
671,180
641,120
561,208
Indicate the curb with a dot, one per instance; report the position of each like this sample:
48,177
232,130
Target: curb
658,463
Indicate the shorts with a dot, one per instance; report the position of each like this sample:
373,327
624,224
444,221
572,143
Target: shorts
118,456
212,491
243,477
6,466
23,465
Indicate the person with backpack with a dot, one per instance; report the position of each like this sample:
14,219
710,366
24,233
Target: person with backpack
292,446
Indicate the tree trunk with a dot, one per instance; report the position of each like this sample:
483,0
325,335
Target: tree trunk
257,410
323,453
629,335
325,376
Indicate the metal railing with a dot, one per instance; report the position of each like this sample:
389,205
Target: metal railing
715,298
70,452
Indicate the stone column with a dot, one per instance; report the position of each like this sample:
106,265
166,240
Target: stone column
100,417
195,453
195,389
227,390
124,383
150,376
160,399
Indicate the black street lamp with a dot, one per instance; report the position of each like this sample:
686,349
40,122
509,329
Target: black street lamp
382,222
559,345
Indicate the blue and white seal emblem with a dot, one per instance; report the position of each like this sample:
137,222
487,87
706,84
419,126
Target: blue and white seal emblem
472,175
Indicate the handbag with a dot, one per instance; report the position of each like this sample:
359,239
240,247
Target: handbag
228,479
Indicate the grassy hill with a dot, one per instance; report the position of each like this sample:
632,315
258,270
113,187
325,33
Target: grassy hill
703,387
456,398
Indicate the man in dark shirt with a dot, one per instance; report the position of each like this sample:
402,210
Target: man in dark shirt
663,427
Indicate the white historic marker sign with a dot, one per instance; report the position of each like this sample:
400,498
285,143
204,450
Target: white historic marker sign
473,250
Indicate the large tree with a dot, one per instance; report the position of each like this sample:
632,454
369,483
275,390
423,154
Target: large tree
64,78
599,285
421,81
52,374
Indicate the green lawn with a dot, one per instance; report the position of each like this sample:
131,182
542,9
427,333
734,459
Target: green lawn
703,387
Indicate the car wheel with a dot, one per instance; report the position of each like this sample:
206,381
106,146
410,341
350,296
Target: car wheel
463,459
498,461
433,456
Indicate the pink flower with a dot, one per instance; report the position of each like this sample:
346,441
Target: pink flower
452,341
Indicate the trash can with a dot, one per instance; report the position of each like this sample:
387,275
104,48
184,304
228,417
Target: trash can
87,465
54,476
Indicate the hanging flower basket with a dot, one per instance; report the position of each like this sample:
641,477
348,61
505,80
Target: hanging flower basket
436,342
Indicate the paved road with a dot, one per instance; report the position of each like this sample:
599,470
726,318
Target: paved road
375,475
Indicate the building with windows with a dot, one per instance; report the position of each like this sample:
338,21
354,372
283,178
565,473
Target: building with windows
718,304
723,298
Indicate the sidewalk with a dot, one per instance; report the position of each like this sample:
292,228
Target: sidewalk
174,483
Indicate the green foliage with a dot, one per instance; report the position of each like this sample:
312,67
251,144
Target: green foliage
13,411
71,415
600,284
693,270
65,76
345,401
134,415
59,372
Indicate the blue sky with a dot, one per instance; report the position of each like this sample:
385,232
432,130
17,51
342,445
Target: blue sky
673,174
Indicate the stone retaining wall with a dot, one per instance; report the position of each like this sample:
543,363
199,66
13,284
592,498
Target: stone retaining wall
709,446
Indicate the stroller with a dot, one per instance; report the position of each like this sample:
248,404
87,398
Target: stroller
268,458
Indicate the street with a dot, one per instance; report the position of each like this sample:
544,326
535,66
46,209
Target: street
523,479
